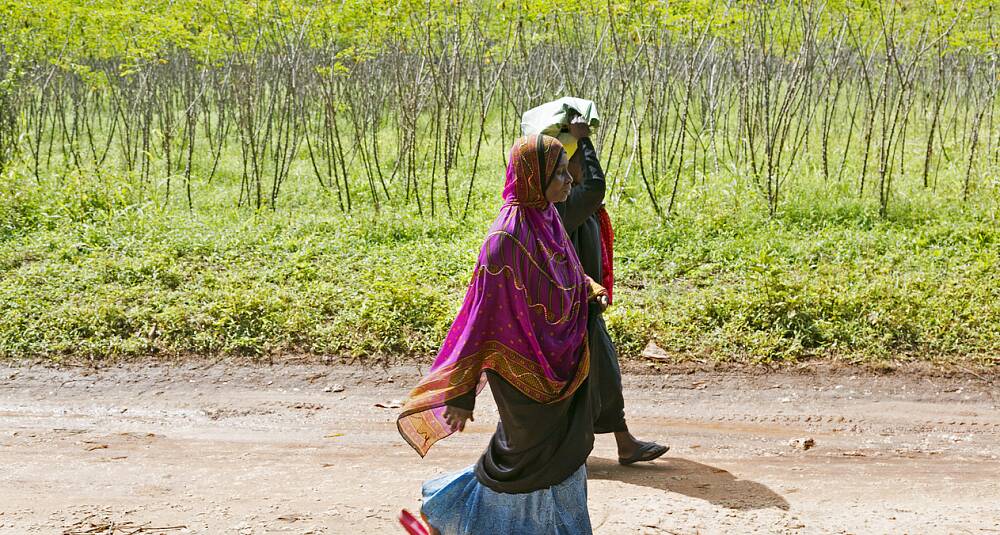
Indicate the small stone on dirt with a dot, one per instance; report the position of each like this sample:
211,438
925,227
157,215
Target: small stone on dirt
334,388
654,352
802,443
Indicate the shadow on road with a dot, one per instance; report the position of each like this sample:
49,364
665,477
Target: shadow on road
689,478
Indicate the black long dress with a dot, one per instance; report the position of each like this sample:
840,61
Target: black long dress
535,445
579,216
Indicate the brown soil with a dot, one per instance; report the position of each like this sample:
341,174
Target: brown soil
228,448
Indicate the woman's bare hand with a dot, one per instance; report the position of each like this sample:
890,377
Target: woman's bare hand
456,417
579,130
598,294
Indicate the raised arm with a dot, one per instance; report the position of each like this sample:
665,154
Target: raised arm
585,199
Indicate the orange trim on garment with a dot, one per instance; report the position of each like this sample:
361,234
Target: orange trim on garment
421,428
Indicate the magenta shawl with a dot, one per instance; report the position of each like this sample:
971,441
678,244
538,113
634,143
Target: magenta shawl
525,312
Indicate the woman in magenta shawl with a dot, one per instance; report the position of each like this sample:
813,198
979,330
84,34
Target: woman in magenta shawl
523,329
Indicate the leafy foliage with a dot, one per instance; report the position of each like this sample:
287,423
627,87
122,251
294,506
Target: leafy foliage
100,257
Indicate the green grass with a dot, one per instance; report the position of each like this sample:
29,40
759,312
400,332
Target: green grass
93,265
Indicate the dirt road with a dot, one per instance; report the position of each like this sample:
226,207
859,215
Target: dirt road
224,448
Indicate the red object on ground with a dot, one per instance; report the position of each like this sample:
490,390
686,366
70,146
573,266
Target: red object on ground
411,524
607,250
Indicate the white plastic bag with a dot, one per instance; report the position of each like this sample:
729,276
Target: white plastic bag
552,118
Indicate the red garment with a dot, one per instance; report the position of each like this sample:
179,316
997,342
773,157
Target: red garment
607,250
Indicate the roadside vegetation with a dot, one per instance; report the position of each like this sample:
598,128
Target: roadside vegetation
786,181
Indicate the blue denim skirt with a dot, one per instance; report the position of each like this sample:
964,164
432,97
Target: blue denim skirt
458,504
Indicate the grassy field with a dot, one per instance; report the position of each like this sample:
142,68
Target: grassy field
94,265
789,180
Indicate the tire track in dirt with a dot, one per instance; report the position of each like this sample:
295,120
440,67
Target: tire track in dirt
258,449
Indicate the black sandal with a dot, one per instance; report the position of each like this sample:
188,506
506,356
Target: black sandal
647,451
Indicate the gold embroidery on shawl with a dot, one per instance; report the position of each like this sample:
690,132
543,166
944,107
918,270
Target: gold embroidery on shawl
550,317
528,185
524,249
417,422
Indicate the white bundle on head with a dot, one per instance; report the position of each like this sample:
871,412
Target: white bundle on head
552,118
